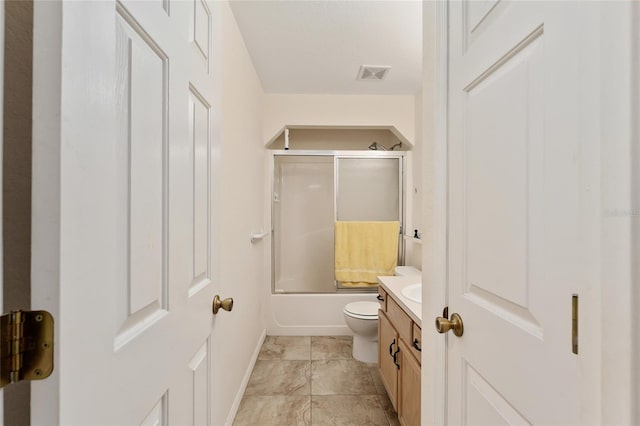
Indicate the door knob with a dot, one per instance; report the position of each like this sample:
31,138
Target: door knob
455,323
226,304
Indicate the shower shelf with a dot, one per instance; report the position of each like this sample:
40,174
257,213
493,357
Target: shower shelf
412,238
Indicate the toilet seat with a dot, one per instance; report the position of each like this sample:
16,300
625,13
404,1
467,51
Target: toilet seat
362,310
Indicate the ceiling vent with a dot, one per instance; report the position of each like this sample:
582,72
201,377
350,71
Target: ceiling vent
368,72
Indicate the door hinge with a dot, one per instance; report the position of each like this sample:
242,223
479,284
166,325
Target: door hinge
26,346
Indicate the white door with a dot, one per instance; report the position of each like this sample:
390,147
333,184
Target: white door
520,120
122,155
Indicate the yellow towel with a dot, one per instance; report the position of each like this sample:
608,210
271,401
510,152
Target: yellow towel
365,250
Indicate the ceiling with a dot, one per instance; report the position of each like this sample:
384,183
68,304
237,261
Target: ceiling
313,46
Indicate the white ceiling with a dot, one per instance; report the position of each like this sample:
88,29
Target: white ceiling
313,46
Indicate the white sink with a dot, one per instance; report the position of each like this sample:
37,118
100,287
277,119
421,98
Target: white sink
413,292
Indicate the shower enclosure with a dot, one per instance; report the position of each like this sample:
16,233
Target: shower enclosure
313,189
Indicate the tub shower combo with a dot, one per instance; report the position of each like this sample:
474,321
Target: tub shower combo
316,197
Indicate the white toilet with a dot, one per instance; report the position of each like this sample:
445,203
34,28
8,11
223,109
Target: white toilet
362,319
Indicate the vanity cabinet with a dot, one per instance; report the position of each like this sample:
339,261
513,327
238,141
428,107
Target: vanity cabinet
399,360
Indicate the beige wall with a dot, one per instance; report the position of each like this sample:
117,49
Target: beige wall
339,111
415,193
238,208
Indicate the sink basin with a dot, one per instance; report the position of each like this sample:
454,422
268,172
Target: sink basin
413,292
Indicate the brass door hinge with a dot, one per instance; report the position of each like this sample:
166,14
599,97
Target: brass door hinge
26,351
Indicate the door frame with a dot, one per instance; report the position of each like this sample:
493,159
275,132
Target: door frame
617,159
620,214
434,160
2,6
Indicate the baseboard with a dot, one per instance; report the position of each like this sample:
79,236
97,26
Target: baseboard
245,381
308,330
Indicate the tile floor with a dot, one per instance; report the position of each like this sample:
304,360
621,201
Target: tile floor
313,381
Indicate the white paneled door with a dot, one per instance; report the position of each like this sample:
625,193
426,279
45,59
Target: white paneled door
122,196
520,122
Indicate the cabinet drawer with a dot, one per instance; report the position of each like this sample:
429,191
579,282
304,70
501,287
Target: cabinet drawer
382,298
399,319
416,342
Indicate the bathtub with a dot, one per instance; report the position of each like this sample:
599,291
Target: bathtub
310,314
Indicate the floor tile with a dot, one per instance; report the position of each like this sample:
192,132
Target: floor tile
313,381
274,410
347,410
271,377
331,347
341,377
392,416
286,347
377,380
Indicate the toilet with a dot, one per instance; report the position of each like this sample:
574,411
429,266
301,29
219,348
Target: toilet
362,318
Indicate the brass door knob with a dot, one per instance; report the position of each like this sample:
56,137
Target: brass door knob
226,304
455,323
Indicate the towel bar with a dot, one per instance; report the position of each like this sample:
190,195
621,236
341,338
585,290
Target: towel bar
257,236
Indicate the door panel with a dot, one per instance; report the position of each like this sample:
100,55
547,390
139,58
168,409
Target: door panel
199,365
499,150
485,406
134,185
158,414
514,219
142,120
199,135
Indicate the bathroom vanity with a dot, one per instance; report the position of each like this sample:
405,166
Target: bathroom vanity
400,346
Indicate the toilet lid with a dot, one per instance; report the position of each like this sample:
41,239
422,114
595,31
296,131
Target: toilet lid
369,309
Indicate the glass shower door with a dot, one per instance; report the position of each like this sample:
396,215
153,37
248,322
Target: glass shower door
303,213
368,189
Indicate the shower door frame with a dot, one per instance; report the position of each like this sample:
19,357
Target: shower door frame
336,155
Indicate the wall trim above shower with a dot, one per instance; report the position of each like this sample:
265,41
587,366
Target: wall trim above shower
338,137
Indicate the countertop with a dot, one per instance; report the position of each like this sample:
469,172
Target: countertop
393,285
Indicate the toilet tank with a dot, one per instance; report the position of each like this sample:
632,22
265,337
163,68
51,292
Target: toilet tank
405,271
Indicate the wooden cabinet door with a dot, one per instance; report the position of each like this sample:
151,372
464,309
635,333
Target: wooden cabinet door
387,346
408,387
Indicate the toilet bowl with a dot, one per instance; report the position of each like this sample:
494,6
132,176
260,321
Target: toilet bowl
362,319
